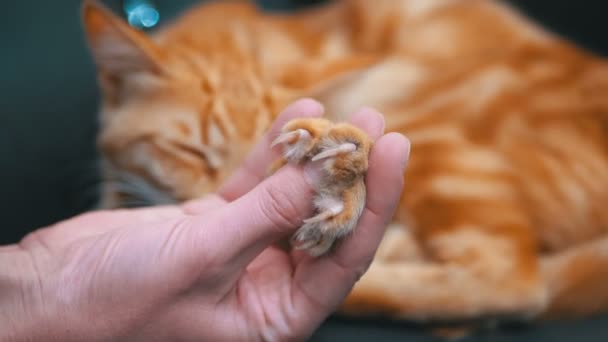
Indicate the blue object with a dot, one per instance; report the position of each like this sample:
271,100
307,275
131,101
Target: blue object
141,13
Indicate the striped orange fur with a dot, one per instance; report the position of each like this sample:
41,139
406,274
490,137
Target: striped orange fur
504,213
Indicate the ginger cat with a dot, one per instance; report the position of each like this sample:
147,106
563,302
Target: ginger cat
503,214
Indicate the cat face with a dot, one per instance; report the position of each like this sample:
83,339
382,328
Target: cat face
174,121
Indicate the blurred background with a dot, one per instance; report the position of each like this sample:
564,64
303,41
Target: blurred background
48,103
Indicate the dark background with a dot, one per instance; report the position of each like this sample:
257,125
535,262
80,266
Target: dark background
48,101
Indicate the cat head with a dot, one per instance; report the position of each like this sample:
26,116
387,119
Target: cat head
174,119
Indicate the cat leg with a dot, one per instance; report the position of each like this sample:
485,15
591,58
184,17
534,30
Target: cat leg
473,273
577,279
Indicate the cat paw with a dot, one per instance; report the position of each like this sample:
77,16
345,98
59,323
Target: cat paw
340,156
344,150
338,209
300,137
319,232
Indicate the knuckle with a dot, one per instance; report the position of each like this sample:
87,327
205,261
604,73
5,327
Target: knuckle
179,246
279,208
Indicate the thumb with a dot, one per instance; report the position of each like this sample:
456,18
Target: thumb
269,212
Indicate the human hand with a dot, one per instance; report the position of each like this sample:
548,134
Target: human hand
206,270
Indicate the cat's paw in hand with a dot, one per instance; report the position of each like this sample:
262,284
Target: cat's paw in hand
300,138
339,155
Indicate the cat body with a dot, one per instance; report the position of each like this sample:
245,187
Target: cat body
503,213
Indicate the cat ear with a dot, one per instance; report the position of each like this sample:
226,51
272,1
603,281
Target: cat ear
117,48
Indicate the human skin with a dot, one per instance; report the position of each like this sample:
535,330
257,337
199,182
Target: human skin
205,270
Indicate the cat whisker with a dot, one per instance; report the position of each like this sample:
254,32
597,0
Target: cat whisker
138,191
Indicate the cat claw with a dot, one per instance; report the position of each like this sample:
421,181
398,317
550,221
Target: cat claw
312,239
318,233
306,237
291,137
325,215
302,245
296,144
300,138
332,152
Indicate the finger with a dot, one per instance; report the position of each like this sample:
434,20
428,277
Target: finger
323,283
242,229
369,120
203,205
255,167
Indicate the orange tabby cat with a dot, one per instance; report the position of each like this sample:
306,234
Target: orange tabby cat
503,215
